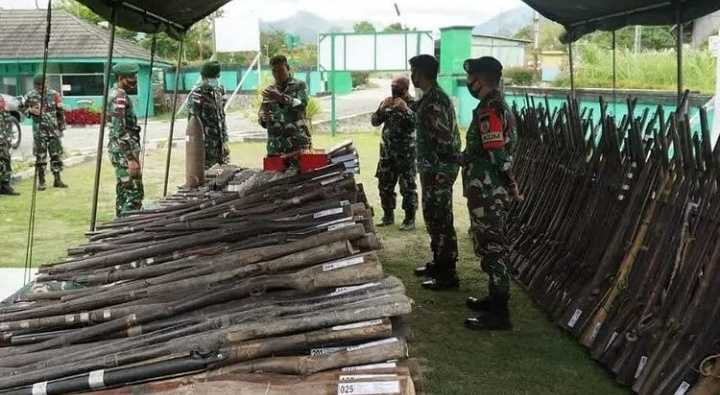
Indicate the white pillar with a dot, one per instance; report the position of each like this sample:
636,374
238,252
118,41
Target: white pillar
715,49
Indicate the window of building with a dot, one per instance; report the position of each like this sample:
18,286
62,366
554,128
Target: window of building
8,86
82,85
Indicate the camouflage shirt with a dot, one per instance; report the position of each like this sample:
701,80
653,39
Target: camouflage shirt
53,118
287,130
208,104
438,137
398,133
493,167
124,140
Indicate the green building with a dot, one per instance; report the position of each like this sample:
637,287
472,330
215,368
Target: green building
458,43
76,57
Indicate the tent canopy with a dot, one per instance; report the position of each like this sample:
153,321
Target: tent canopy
580,17
153,16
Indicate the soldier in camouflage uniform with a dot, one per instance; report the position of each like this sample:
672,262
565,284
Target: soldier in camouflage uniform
283,111
5,143
124,141
488,185
48,128
397,153
438,151
207,103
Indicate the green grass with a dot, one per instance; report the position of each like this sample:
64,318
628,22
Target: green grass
535,358
644,70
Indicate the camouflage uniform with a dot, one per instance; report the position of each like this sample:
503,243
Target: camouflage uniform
287,131
397,156
124,146
487,181
207,103
47,131
5,143
438,150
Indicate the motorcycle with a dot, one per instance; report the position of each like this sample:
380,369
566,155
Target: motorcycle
14,106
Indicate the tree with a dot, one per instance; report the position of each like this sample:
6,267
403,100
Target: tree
73,7
364,27
397,28
273,43
549,35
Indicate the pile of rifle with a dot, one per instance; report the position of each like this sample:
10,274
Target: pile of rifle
272,288
618,239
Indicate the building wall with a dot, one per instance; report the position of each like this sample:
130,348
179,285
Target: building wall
509,53
230,78
84,80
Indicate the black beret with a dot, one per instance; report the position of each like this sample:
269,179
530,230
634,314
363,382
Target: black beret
210,69
424,62
484,64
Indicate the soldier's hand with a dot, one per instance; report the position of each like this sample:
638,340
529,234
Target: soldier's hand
267,116
273,94
515,194
400,104
386,103
134,169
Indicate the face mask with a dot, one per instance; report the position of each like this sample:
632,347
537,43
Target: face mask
213,82
131,87
473,92
397,92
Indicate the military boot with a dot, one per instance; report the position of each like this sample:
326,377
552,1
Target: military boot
41,179
408,223
480,305
58,181
426,270
6,189
387,219
442,283
495,317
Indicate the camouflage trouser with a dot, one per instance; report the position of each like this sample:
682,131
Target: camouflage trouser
283,144
216,149
129,192
487,205
437,197
389,172
48,146
5,165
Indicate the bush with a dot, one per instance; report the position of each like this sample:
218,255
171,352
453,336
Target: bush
522,76
359,78
644,70
312,110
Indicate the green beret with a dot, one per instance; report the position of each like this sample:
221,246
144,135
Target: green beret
126,69
38,79
483,64
210,69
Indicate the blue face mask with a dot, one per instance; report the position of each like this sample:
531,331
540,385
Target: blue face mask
213,82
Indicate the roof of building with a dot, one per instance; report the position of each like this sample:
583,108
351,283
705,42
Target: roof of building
22,36
519,40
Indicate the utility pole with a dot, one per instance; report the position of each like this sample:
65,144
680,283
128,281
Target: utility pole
638,38
536,39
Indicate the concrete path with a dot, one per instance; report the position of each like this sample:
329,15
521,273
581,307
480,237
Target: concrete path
10,281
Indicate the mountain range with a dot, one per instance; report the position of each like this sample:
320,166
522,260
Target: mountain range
308,25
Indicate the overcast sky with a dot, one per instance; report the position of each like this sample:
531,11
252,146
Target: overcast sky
421,14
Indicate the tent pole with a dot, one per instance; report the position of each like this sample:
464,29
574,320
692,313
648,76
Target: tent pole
572,70
678,45
103,121
614,72
333,120
147,100
172,119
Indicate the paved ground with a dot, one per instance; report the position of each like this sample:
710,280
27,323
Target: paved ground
10,281
84,139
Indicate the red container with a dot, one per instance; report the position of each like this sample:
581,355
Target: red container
310,162
274,163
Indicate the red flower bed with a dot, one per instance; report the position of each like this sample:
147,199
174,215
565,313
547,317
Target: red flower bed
82,116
